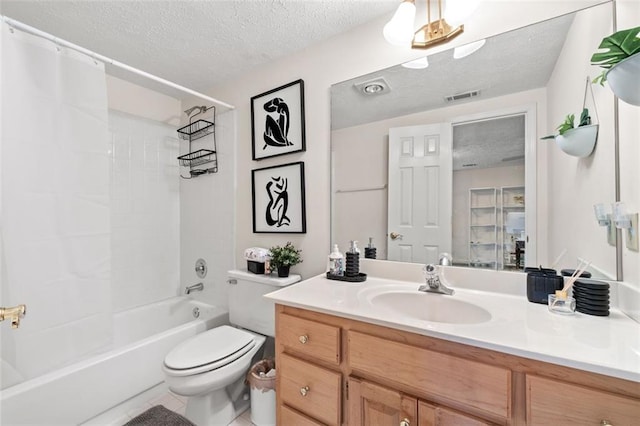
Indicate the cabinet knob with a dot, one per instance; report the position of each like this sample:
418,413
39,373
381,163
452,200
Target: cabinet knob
304,391
303,339
605,423
405,422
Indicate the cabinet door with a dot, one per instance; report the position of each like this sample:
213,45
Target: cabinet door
431,415
374,405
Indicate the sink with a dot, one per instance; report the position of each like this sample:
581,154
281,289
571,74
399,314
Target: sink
430,307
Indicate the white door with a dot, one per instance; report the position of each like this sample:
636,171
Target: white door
420,191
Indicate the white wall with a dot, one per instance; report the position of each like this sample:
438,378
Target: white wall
593,177
628,14
340,58
359,215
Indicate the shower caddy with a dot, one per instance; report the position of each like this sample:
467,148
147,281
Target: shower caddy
194,159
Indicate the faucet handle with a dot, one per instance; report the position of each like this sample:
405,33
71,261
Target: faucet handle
429,270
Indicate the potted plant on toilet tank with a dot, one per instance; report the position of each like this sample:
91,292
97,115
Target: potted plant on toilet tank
282,258
576,141
621,63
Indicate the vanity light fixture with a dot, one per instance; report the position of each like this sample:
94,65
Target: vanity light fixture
417,64
603,216
467,49
398,31
624,220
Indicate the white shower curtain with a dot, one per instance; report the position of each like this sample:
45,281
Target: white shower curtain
55,227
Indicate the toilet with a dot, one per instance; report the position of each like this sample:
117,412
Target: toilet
210,368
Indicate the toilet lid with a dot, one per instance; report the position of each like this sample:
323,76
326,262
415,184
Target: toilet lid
213,348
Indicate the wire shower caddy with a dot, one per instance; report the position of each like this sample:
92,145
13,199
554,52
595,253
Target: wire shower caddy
194,159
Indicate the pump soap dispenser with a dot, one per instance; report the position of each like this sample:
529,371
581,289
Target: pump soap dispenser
370,250
353,260
336,262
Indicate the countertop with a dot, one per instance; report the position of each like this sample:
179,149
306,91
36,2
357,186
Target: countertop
606,345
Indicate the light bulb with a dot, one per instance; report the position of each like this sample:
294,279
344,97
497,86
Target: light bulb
467,49
457,11
417,64
399,30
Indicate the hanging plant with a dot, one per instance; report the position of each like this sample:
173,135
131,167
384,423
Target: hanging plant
576,141
621,63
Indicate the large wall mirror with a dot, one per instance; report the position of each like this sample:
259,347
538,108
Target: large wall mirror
448,158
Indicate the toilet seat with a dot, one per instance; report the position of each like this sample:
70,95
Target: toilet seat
208,351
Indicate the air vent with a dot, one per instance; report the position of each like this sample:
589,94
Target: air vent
461,96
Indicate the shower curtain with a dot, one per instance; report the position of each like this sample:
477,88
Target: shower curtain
55,213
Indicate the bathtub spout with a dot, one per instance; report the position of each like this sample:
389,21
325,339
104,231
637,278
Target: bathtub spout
194,287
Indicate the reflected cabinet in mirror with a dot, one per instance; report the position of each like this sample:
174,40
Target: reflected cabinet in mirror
448,158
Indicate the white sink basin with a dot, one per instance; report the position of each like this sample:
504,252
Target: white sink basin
430,307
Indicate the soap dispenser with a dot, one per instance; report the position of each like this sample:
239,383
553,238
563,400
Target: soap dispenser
370,250
352,268
336,262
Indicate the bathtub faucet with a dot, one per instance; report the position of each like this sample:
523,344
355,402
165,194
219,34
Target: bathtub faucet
194,287
14,314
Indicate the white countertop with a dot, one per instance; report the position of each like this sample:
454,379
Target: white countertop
606,345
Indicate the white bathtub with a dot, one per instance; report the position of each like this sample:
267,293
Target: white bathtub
142,338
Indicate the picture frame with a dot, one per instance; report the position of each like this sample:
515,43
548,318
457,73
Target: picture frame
277,121
278,199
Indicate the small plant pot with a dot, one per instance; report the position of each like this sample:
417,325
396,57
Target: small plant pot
283,271
624,81
579,141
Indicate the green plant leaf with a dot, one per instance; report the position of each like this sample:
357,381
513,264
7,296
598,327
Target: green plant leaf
619,46
601,78
567,124
585,118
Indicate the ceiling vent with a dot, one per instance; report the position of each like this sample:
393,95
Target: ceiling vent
460,96
377,86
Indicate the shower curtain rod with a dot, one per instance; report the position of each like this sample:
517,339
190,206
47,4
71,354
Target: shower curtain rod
24,27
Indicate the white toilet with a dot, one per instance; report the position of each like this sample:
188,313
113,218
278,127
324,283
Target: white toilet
210,368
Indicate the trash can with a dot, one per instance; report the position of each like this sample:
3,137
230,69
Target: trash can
262,381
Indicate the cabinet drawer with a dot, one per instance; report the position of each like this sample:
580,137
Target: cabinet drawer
317,340
292,417
553,402
309,389
423,372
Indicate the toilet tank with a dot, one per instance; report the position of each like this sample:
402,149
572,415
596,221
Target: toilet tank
247,308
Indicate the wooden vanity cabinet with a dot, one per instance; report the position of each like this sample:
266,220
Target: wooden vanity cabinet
336,371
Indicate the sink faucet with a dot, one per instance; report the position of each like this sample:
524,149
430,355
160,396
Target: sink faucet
434,285
194,287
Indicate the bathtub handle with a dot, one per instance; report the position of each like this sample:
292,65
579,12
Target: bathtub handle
232,281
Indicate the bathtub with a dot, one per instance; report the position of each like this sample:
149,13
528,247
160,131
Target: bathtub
142,338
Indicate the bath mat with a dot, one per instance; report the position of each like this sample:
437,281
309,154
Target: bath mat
159,416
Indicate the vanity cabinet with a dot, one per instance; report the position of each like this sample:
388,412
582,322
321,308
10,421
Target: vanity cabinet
337,371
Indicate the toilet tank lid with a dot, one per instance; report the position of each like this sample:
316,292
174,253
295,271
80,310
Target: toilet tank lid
264,279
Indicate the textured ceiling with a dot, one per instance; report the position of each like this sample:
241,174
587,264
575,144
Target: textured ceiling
197,44
511,62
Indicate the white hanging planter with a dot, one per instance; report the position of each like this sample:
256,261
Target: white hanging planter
624,79
578,141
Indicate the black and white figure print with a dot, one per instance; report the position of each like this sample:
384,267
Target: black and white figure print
277,121
278,199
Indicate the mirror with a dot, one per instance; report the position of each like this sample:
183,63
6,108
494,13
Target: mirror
494,105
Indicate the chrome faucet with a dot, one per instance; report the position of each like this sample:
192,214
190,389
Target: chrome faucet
194,287
434,285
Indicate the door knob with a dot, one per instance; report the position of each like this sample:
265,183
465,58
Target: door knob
395,236
405,422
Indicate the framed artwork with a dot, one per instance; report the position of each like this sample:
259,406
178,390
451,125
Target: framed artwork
278,199
277,121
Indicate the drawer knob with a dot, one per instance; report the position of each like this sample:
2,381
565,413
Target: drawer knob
304,391
605,423
303,339
405,422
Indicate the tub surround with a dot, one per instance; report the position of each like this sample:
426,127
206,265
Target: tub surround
603,345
